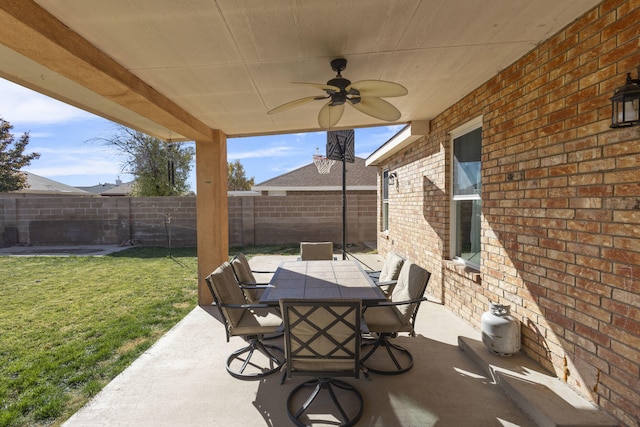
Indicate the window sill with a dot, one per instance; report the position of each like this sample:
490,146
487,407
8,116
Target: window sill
463,270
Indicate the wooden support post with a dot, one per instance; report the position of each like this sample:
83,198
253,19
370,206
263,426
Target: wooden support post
212,210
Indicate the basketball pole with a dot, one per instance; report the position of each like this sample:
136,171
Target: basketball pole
343,149
337,150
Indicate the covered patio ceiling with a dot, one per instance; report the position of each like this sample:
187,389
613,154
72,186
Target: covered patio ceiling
176,69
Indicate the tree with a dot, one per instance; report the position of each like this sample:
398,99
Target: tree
160,168
236,178
12,159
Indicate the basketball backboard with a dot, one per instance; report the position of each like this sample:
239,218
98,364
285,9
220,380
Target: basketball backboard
339,140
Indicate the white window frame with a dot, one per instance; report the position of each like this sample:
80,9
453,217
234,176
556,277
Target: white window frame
385,200
466,128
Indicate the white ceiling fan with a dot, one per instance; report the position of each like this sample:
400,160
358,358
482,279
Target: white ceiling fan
364,95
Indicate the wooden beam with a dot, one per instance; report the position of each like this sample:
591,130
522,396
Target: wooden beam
212,210
30,30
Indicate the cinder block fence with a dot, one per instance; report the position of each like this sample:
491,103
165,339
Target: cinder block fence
164,221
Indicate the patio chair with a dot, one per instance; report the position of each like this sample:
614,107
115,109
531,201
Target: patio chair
322,339
387,277
315,251
386,319
245,275
248,321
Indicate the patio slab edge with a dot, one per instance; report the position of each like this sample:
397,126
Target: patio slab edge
537,392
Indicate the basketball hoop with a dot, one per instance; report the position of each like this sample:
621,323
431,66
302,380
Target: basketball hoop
322,163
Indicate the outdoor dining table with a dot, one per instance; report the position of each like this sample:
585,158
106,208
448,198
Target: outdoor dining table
340,279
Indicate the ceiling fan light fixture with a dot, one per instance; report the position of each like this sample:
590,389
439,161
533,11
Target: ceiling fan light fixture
338,98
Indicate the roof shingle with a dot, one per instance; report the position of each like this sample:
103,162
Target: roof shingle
358,175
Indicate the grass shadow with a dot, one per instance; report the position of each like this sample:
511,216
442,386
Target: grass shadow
283,249
155,252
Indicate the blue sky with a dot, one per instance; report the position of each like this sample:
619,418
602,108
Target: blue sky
66,138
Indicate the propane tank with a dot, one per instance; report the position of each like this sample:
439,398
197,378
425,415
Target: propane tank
500,330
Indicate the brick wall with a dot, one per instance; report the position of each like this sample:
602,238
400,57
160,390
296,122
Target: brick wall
164,221
561,207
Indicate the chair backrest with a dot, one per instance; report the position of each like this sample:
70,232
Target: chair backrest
412,284
322,337
313,251
225,290
391,267
244,275
242,269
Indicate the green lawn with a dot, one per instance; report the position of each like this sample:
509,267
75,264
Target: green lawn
68,325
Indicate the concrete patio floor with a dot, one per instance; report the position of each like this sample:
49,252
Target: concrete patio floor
182,381
62,250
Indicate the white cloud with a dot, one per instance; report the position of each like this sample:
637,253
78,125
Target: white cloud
33,135
19,105
76,152
255,154
74,160
94,166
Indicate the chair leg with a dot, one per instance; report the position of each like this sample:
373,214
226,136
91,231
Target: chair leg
393,351
327,384
244,356
310,399
345,386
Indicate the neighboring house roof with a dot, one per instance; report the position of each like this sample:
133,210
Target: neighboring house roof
99,189
41,185
123,189
307,178
107,189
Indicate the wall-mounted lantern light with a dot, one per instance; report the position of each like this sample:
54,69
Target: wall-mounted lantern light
392,178
625,102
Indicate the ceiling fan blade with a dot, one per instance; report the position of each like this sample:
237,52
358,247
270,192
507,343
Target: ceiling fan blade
379,88
376,107
320,86
330,115
295,103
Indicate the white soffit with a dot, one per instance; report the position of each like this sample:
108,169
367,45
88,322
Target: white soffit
186,67
408,135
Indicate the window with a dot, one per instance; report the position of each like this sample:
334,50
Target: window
385,200
466,202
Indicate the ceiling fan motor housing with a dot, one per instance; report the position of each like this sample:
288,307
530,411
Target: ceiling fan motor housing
338,65
338,98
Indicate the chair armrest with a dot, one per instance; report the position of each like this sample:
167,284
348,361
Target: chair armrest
387,287
263,272
254,285
392,303
244,306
